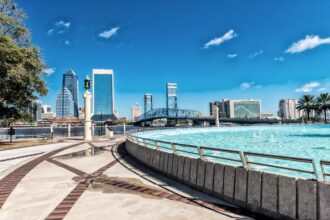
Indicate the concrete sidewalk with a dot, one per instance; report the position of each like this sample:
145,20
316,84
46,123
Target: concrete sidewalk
75,184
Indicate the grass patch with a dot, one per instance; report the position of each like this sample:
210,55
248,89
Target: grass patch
6,145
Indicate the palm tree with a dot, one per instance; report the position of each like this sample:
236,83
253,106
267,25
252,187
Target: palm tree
306,103
323,104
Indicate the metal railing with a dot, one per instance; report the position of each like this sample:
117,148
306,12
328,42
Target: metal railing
249,160
325,173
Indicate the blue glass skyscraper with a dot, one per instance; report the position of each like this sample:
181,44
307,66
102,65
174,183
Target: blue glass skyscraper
103,94
64,104
148,105
70,81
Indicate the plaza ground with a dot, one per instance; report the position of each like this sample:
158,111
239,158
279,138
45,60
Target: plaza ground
78,180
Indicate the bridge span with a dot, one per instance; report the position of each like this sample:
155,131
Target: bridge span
196,117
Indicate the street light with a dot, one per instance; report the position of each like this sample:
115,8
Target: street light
87,83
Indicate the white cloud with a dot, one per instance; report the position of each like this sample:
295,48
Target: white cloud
67,42
50,32
279,59
63,24
309,42
219,40
246,85
108,34
49,71
308,87
256,54
230,56
322,89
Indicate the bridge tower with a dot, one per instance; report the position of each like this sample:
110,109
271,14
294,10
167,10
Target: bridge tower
171,98
171,103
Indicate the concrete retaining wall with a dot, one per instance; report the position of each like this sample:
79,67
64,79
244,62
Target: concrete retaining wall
277,196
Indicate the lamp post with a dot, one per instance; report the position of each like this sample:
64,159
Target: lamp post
216,116
87,108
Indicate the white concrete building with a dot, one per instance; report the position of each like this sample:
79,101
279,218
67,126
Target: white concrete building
287,109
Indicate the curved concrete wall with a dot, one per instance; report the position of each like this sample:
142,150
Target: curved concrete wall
277,196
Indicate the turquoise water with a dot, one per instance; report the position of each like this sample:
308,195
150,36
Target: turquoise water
303,141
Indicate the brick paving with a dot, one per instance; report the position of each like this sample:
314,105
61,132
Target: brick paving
84,180
19,157
68,202
9,182
67,167
65,206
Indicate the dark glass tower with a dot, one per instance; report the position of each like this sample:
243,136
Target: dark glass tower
148,105
70,81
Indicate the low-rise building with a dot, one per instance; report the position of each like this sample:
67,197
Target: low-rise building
243,108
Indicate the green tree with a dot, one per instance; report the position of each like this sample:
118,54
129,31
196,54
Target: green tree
323,104
20,64
306,103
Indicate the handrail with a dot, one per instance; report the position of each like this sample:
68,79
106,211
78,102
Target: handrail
324,171
285,158
243,158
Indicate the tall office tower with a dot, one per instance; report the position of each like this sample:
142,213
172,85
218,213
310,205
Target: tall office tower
135,112
64,104
103,95
148,105
34,110
287,109
70,81
171,97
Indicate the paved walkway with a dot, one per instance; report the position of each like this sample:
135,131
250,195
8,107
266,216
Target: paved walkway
97,180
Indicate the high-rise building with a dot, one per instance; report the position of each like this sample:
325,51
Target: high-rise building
64,104
148,104
287,109
70,81
135,112
245,108
171,97
103,94
220,105
46,112
34,110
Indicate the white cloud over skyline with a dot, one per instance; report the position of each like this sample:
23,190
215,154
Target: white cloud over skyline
219,40
279,59
322,89
62,23
246,85
49,71
308,87
59,28
232,55
309,42
109,33
255,54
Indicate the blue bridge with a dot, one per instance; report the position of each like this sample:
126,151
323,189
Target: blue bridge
171,114
195,117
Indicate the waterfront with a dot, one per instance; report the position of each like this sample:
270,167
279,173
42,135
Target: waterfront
300,141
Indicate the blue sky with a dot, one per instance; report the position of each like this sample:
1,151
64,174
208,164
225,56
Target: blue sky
213,49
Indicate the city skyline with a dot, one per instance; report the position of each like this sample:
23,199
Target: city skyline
236,51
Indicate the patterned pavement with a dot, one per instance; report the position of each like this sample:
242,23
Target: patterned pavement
85,180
